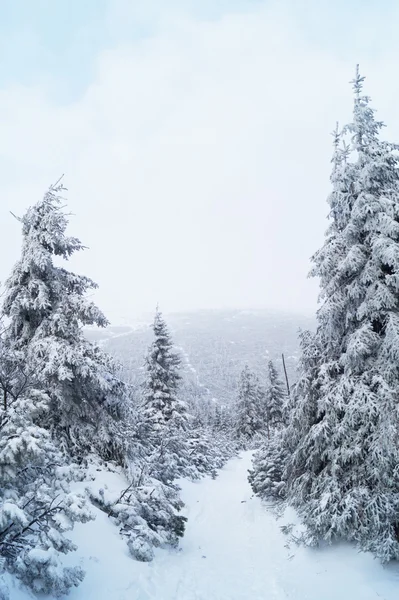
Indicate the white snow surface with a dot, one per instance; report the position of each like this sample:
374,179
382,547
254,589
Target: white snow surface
233,550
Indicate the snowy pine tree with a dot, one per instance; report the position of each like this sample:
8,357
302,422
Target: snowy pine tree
249,419
273,468
267,476
47,308
274,397
342,440
165,419
161,404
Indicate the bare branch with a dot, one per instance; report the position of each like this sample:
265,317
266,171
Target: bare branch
15,217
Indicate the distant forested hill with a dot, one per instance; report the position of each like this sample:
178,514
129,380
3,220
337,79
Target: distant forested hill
215,346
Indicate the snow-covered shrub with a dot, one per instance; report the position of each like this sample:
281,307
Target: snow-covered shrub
224,447
42,570
147,513
208,451
167,456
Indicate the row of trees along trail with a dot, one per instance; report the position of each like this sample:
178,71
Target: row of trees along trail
65,413
259,407
336,459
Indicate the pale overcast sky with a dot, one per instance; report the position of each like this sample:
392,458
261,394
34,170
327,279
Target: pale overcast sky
194,136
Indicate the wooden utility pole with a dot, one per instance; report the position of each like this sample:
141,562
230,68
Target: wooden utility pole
286,376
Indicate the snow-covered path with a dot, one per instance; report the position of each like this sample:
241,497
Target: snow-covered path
233,550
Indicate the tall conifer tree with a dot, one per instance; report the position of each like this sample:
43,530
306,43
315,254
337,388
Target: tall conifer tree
275,396
46,306
162,406
165,418
249,417
341,445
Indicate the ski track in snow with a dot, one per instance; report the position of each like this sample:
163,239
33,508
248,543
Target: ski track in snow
233,550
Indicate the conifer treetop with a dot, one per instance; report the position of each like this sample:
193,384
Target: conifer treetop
37,288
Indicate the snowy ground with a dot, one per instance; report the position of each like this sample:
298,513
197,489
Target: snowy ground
233,550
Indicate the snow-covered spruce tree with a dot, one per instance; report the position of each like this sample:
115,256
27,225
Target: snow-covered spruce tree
342,472
47,309
284,455
161,404
210,438
272,467
274,397
165,418
209,451
267,474
249,418
224,420
222,433
36,506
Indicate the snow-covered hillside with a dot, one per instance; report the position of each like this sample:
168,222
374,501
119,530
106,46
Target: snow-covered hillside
215,345
233,550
